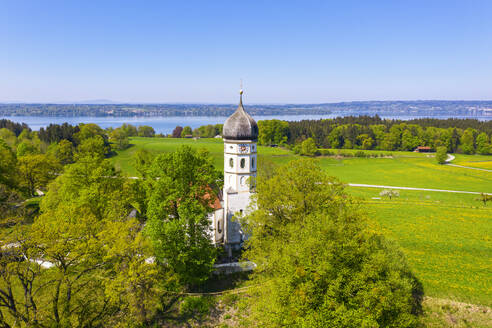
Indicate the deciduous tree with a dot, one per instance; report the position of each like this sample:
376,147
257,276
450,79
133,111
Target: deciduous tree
177,132
119,139
468,141
483,144
180,194
441,154
186,131
92,147
146,131
319,261
308,147
35,171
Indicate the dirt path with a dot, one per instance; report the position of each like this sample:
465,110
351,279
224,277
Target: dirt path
418,189
469,167
452,157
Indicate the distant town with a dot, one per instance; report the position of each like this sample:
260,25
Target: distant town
430,108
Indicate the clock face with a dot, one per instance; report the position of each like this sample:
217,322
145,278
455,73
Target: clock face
243,148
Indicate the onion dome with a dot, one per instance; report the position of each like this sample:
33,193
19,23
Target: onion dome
240,125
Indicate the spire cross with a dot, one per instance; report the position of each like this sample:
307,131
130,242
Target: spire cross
241,93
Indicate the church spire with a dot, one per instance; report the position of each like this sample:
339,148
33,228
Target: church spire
241,94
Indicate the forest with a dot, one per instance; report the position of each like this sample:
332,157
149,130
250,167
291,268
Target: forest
371,132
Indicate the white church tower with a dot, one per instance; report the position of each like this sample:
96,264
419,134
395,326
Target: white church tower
240,134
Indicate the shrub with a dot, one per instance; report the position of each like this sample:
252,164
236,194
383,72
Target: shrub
345,154
325,152
360,153
196,306
308,147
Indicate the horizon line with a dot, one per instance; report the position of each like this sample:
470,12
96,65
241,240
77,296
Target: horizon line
110,102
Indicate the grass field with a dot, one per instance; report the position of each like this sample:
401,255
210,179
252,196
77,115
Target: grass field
478,161
123,160
446,237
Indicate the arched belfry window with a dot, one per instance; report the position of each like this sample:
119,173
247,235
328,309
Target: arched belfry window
243,162
252,162
231,162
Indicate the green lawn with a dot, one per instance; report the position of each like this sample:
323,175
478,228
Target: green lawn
419,172
478,161
123,159
446,237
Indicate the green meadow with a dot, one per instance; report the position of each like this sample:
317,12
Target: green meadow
446,237
478,161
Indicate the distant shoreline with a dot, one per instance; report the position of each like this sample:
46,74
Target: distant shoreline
166,124
419,108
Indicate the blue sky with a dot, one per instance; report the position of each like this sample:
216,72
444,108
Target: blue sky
285,51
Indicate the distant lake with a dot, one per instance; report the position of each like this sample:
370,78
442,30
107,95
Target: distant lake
166,125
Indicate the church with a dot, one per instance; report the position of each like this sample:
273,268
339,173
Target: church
240,135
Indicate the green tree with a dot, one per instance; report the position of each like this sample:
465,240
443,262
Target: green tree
186,131
409,141
8,181
8,162
379,132
308,147
180,194
89,130
146,131
64,152
119,138
335,138
85,261
208,131
35,171
441,154
129,130
26,147
273,132
319,261
92,147
142,160
8,136
483,144
364,141
468,141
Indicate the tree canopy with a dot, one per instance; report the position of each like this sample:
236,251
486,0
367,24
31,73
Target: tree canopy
181,190
320,261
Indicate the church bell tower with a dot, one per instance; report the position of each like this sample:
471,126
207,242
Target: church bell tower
240,134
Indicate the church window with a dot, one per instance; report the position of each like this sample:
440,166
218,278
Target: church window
252,162
231,162
243,162
243,181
